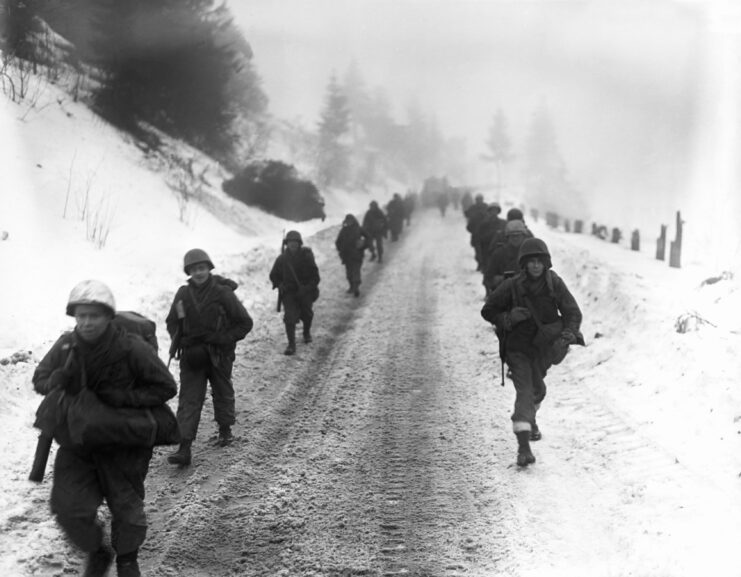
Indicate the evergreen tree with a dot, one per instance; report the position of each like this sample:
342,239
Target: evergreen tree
179,65
334,126
544,169
16,27
498,147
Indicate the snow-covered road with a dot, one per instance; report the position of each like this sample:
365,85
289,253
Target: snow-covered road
385,446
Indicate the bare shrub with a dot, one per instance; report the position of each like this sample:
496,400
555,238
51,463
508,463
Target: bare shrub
98,221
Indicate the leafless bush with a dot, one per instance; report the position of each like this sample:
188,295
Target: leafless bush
6,80
186,188
98,222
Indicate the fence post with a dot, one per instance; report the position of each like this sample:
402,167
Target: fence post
661,244
675,247
635,240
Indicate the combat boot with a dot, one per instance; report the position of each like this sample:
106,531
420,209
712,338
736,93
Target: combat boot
98,562
182,456
127,565
225,436
291,334
525,456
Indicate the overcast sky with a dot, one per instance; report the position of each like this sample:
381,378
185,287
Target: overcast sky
640,91
463,58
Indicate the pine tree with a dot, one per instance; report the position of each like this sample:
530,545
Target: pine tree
544,168
17,27
179,65
498,147
334,126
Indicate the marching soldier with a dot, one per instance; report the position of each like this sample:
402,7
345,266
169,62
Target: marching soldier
351,243
205,322
296,276
122,371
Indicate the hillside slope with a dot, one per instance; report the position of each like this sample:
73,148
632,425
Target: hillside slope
81,200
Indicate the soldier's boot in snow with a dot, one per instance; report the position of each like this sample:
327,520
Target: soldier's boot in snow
525,456
291,334
307,332
182,456
535,434
225,436
127,565
98,562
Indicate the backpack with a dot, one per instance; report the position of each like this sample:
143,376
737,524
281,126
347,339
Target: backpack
137,324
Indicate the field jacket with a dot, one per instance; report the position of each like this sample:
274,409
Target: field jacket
549,297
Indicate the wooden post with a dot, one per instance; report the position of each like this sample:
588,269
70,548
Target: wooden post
661,244
635,240
675,247
578,226
616,235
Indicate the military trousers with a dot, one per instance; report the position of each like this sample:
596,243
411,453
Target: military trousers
530,388
193,384
84,478
298,307
352,272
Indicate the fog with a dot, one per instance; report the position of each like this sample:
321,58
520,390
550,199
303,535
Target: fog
643,94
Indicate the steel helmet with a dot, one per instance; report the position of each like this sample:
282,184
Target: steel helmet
91,292
514,214
294,235
194,256
533,247
514,227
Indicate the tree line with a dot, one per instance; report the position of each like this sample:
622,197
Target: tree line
181,66
544,175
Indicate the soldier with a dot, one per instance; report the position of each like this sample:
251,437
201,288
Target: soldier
500,238
491,225
351,243
123,371
296,276
377,225
205,321
395,211
474,216
442,200
503,260
466,200
410,201
536,318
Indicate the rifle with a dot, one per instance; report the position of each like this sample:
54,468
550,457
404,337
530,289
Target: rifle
175,344
43,445
282,250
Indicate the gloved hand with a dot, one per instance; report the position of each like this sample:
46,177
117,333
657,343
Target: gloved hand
568,336
519,314
59,379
